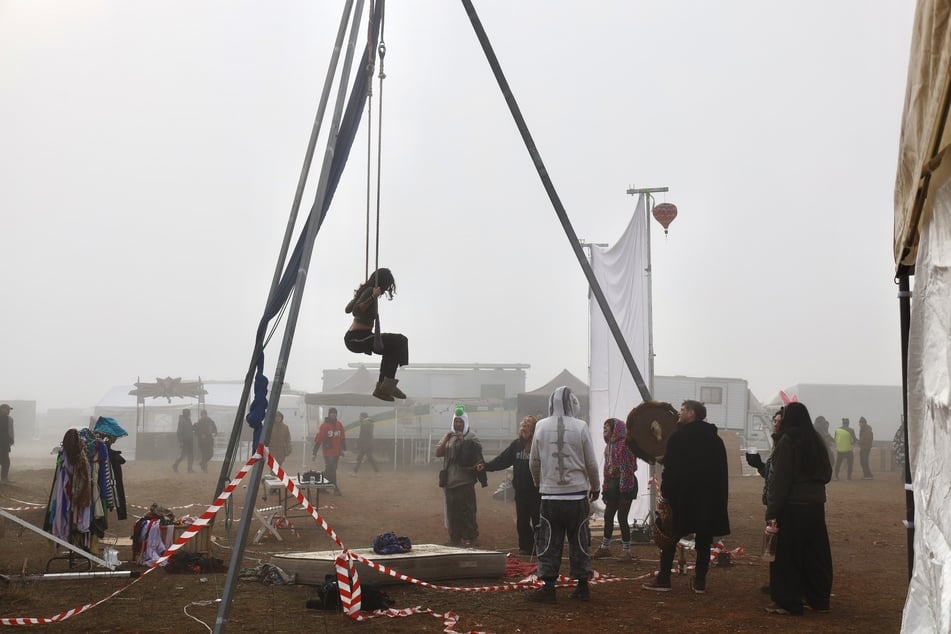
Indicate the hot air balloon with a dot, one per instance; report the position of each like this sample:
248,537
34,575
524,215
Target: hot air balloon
665,213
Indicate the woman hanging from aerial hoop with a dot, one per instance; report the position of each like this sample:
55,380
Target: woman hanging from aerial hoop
361,336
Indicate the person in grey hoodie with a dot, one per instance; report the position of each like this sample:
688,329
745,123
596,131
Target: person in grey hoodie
565,468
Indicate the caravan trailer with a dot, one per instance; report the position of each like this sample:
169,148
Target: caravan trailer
730,405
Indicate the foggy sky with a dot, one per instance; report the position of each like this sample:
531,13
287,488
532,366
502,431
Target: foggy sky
149,154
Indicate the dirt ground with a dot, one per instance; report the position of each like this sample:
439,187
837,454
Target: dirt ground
864,517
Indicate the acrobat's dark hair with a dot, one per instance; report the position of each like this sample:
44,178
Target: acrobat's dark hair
382,278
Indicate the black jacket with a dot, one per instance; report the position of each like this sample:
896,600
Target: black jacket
696,481
790,480
516,457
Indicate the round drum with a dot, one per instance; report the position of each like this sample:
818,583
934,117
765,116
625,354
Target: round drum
649,425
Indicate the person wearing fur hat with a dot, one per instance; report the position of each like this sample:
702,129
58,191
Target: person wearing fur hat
393,347
461,451
619,488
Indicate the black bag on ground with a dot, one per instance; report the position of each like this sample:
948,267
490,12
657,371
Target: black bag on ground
328,593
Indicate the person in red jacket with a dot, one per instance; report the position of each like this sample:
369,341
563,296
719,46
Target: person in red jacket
332,440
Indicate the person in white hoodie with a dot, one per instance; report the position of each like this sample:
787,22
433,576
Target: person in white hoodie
565,468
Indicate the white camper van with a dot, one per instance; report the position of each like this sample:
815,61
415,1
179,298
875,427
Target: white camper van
730,405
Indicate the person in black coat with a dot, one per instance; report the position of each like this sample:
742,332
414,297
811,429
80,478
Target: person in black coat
795,503
527,498
763,468
696,486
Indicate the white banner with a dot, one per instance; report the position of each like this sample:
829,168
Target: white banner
622,270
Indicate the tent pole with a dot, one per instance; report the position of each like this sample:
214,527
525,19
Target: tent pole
904,309
555,200
257,471
234,440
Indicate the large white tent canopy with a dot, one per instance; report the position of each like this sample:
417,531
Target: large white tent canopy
922,245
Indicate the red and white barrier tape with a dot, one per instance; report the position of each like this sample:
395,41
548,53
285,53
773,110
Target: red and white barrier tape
182,540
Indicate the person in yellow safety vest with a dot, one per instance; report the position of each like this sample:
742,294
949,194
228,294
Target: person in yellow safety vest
844,441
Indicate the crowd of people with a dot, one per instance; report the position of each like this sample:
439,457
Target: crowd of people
556,479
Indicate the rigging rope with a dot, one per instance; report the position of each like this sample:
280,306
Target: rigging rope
379,146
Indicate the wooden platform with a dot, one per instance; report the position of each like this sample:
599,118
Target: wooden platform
428,562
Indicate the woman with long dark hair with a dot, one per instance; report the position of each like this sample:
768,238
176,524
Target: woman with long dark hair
394,348
795,503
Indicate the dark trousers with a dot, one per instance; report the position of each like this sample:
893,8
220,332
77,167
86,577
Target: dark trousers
395,349
558,520
187,454
527,509
369,455
848,458
621,506
803,565
206,447
702,545
863,460
4,465
330,468
461,513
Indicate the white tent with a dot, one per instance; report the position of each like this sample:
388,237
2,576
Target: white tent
160,416
923,247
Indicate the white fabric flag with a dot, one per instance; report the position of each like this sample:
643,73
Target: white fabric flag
622,272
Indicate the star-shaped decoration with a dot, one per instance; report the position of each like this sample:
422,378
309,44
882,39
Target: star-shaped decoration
168,388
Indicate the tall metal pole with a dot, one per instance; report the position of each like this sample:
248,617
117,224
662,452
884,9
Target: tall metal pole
904,310
649,207
555,199
234,439
248,512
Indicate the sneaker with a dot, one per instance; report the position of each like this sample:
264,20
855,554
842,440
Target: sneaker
545,594
581,592
657,585
816,610
699,586
776,609
625,555
601,553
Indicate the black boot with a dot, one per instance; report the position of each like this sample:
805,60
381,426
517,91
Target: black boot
581,591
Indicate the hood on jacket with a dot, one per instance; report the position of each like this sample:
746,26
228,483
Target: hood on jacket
563,402
620,429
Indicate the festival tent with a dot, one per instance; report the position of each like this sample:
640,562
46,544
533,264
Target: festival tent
536,401
922,247
158,417
356,390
